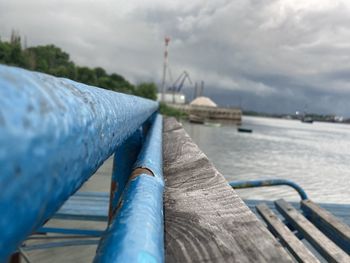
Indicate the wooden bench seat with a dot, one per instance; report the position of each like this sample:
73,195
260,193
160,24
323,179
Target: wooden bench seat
287,237
92,206
329,250
335,229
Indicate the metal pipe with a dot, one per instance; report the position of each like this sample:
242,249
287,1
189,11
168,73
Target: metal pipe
136,234
268,182
124,158
151,154
54,134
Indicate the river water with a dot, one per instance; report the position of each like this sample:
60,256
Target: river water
315,156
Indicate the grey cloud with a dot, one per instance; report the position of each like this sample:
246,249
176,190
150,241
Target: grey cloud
278,55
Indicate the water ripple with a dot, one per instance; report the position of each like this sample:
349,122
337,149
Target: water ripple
316,156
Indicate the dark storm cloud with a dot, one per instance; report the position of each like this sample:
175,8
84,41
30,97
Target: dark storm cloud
274,55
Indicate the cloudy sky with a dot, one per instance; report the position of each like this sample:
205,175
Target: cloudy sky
265,55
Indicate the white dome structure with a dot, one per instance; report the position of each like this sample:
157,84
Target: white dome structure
203,101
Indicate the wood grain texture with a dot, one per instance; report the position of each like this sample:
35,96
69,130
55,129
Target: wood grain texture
294,245
333,227
322,244
205,220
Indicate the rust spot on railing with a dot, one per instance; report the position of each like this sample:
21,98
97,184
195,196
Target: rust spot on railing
140,170
136,172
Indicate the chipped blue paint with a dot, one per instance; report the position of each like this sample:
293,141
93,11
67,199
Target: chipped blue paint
151,154
54,134
124,158
137,232
268,182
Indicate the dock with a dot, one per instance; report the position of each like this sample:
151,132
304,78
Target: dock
204,219
212,113
90,175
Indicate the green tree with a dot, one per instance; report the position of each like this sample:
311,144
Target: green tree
100,72
53,60
5,53
86,75
117,77
125,87
50,59
107,83
147,90
11,53
16,55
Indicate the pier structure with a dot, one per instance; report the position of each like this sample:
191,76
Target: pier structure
167,202
214,113
55,133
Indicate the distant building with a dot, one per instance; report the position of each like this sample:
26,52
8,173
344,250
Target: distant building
171,97
204,108
339,118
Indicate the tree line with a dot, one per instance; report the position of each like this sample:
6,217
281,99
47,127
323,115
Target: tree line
53,60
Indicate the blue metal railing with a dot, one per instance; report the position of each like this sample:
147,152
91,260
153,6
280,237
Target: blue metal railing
136,232
54,134
124,159
268,182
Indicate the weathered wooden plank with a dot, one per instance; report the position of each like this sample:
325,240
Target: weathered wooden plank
294,245
341,211
335,229
85,206
205,220
77,254
322,244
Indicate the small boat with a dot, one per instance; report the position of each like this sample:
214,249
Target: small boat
244,130
195,119
306,119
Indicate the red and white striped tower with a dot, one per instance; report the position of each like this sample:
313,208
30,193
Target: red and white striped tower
167,40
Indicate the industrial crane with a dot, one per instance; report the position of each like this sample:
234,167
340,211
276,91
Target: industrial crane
179,82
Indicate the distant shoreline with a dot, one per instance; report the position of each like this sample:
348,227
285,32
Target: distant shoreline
315,117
